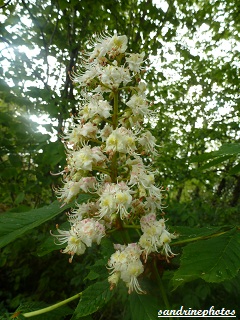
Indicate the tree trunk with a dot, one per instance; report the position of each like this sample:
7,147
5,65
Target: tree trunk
236,193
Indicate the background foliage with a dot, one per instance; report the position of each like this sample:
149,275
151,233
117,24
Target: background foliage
193,77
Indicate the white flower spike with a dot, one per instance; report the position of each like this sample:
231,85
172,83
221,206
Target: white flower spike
107,151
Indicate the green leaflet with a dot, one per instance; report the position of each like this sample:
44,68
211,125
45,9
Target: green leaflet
235,169
82,318
213,260
50,244
188,233
215,162
15,224
225,149
225,152
93,298
97,271
143,307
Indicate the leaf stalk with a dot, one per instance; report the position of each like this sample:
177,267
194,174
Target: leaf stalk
52,307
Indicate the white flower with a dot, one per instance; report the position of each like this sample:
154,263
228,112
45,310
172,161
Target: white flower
98,156
74,243
96,106
88,130
148,142
112,76
74,137
164,240
87,184
134,61
80,133
105,132
155,237
107,205
81,235
113,279
151,204
118,44
69,191
123,201
138,105
142,88
82,159
145,181
125,264
113,45
115,199
82,210
121,140
138,174
90,230
86,157
84,78
72,188
147,220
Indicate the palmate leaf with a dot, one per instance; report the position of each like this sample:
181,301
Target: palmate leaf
213,260
15,224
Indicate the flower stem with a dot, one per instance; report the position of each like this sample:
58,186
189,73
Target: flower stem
131,226
115,124
115,110
162,289
50,308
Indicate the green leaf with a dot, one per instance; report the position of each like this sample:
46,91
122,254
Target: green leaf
82,318
215,162
93,298
235,169
92,275
98,270
106,248
229,148
20,197
213,260
49,244
191,232
15,224
143,307
225,149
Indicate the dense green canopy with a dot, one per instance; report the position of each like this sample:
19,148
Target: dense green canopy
192,73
